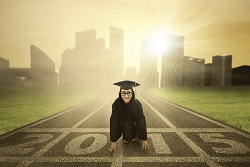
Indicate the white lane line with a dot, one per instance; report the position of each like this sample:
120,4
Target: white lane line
160,115
57,159
188,141
124,159
203,117
163,159
60,137
28,126
118,155
104,130
104,159
232,159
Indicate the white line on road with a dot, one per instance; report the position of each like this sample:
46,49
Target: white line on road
60,137
118,155
103,130
188,141
203,117
124,159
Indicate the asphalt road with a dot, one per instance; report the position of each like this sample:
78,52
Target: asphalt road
80,137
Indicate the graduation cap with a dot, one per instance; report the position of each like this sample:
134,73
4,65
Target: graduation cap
126,84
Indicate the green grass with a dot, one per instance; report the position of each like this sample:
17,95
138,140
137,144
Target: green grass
228,104
23,106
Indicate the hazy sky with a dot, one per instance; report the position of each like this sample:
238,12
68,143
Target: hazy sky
214,27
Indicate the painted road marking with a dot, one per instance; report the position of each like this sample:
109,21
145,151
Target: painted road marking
123,159
103,130
52,143
74,146
236,147
118,155
100,140
26,147
159,144
188,141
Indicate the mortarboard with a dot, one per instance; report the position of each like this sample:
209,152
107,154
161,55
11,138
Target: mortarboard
126,84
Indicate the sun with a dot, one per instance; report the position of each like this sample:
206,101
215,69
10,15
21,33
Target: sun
159,44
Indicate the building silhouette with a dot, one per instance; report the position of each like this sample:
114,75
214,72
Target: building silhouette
241,76
172,61
194,71
222,70
148,75
4,63
41,73
90,63
115,56
42,68
176,69
180,70
82,65
208,74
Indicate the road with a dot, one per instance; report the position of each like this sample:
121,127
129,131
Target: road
80,137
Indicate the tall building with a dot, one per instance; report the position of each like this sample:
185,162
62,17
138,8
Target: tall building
222,70
84,64
42,72
172,61
241,75
68,69
115,56
4,63
194,71
208,74
148,75
90,64
42,68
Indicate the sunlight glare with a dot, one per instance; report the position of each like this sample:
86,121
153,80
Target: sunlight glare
159,44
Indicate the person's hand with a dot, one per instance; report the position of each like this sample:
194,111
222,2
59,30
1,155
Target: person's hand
144,144
113,146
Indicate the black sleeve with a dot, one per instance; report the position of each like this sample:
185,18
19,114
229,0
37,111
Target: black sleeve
141,127
115,131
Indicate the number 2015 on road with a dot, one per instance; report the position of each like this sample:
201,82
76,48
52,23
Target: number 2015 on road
158,143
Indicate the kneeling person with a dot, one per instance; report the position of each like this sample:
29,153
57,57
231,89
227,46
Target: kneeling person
127,118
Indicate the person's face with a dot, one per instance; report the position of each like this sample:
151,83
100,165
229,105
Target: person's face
126,95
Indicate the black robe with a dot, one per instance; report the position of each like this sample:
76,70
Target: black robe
127,120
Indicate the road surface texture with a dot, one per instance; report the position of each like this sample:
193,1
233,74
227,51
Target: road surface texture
80,137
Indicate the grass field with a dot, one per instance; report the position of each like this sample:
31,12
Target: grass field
22,106
228,104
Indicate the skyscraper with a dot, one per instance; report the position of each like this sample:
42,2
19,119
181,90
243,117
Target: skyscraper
221,70
84,65
42,72
90,63
172,61
115,55
194,71
42,68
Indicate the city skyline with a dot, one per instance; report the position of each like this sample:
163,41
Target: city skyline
210,28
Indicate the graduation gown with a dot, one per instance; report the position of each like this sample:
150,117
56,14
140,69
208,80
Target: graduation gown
128,121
